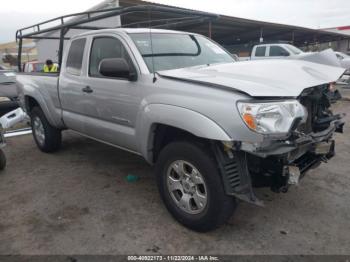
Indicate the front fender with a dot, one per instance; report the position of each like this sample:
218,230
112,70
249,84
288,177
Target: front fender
179,117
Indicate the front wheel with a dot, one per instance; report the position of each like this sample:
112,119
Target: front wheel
190,185
47,137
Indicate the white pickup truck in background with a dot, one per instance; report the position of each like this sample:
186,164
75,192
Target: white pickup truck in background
288,51
273,51
344,60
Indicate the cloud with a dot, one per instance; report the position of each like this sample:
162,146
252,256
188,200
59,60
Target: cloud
21,13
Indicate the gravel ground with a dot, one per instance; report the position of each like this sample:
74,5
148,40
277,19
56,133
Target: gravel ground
78,201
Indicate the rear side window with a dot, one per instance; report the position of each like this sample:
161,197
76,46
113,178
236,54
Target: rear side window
106,47
75,56
260,51
278,51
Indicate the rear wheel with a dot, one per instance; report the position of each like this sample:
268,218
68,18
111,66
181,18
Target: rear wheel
190,185
47,137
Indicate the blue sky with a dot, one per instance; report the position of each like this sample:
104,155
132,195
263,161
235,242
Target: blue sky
308,13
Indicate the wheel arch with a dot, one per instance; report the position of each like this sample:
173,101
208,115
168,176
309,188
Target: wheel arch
31,101
158,120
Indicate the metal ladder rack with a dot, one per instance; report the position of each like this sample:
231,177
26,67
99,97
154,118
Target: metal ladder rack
77,21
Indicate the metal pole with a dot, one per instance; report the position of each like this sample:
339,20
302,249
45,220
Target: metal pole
19,57
60,49
209,33
261,39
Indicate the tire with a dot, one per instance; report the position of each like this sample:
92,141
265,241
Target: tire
208,206
47,138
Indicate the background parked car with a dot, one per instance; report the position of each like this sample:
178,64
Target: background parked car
33,66
8,91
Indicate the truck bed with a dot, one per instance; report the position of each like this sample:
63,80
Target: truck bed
44,87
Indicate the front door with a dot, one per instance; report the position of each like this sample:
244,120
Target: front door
111,104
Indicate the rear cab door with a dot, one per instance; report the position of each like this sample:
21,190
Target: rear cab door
71,86
259,52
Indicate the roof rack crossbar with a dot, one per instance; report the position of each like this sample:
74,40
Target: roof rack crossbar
83,27
169,23
47,37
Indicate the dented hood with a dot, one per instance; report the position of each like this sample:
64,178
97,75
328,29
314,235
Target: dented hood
260,78
326,57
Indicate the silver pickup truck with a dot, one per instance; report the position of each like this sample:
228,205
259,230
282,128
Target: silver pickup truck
213,128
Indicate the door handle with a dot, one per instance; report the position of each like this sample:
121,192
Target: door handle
87,89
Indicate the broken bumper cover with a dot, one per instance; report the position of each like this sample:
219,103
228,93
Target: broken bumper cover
285,162
297,147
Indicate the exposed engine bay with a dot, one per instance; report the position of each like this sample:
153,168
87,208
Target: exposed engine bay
318,101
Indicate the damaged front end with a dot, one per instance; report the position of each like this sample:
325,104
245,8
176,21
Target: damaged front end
279,162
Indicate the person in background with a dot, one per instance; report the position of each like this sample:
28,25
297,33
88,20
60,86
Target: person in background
50,67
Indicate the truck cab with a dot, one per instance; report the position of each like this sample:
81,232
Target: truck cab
274,51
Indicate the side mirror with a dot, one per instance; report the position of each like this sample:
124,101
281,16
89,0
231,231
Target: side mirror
284,53
116,67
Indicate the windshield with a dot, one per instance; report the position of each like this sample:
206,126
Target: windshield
172,51
294,49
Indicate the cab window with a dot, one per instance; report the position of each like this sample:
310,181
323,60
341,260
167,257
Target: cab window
278,51
260,51
106,47
75,56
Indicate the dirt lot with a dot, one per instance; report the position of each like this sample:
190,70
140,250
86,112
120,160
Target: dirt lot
77,201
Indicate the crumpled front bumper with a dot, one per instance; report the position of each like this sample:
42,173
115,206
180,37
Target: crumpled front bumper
296,147
277,165
295,157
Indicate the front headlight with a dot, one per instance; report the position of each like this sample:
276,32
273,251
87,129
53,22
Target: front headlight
271,117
